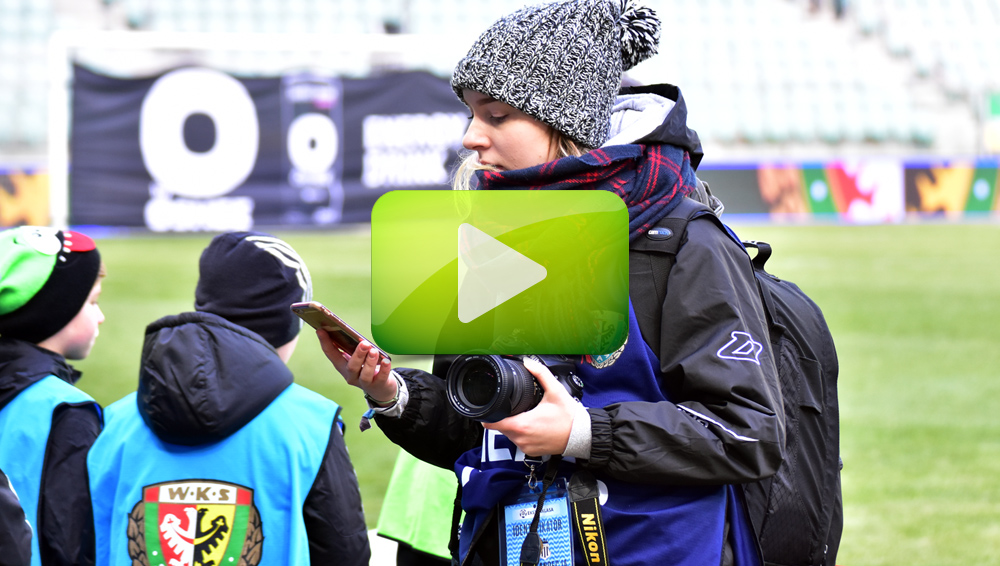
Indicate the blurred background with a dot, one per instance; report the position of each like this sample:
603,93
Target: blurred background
763,77
860,137
860,110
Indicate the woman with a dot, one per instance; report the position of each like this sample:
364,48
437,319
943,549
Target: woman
668,422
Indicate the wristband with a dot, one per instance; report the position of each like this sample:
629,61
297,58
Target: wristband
386,404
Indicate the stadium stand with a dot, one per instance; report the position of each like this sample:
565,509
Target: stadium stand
761,77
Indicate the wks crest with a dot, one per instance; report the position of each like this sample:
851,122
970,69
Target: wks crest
195,523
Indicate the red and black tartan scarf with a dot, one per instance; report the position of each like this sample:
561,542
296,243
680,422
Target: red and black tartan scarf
651,179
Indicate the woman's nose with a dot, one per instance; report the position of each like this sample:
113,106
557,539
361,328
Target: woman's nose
474,138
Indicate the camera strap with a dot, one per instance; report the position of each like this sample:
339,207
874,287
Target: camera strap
531,548
583,498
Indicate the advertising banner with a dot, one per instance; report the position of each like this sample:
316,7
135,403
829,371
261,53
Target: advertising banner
198,149
952,188
24,197
871,190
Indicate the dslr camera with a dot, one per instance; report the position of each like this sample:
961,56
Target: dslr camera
489,388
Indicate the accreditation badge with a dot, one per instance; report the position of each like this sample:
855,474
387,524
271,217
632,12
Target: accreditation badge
554,526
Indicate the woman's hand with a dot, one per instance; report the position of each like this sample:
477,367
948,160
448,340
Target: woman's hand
544,430
363,369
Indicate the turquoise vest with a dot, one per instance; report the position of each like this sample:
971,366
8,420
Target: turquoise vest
239,497
24,432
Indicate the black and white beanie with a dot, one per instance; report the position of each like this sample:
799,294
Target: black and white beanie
250,279
561,62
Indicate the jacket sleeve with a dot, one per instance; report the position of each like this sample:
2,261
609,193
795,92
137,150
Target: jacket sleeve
723,423
65,514
333,515
428,429
15,534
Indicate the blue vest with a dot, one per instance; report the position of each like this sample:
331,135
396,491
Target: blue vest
211,502
644,524
24,432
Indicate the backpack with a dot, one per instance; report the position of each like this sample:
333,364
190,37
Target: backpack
797,514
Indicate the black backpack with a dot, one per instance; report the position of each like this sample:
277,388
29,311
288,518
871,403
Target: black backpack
797,514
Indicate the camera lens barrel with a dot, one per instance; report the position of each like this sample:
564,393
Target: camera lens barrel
491,388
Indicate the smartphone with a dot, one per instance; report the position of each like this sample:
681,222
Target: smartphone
318,316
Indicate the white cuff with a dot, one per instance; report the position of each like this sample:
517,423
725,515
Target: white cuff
579,435
402,396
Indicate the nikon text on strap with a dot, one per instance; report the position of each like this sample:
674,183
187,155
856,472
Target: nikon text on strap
583,497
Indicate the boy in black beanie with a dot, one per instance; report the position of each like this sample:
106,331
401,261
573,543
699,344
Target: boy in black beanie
50,281
219,456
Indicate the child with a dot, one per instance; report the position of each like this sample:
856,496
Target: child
50,281
671,421
219,457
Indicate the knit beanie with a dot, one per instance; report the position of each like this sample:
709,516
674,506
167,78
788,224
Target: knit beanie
46,276
250,279
561,62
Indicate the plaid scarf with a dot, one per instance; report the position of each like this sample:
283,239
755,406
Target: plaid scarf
651,179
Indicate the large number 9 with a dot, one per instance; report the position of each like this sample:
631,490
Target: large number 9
176,168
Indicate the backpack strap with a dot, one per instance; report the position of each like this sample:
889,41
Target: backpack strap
651,257
758,261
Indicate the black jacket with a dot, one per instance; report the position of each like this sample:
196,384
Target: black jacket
15,533
185,402
64,525
701,438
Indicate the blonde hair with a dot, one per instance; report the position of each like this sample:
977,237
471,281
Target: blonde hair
469,164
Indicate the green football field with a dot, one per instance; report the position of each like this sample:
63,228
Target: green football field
913,308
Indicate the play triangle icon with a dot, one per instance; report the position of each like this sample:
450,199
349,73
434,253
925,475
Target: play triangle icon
490,273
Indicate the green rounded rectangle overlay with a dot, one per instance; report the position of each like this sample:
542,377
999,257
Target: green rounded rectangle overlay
499,272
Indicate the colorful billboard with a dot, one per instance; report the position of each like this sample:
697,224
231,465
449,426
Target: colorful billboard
870,190
24,197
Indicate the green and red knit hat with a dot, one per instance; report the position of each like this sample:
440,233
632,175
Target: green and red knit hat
46,276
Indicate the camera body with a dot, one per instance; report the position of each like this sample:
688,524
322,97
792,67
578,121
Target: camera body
489,388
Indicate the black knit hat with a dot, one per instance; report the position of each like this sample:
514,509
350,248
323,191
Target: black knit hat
250,279
46,276
561,62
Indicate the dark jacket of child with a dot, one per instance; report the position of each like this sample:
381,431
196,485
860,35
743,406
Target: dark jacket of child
15,532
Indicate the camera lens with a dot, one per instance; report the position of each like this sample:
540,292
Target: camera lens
491,388
478,385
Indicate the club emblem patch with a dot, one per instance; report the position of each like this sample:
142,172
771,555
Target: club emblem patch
195,523
601,362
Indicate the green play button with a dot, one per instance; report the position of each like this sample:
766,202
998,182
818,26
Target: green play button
503,272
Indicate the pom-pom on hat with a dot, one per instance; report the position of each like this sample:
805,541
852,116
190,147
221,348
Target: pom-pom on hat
46,276
250,279
562,62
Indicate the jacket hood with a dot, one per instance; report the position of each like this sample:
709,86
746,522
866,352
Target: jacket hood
655,114
22,364
202,378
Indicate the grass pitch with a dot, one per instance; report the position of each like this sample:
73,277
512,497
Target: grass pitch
913,309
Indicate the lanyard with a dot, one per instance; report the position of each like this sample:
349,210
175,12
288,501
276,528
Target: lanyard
531,548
